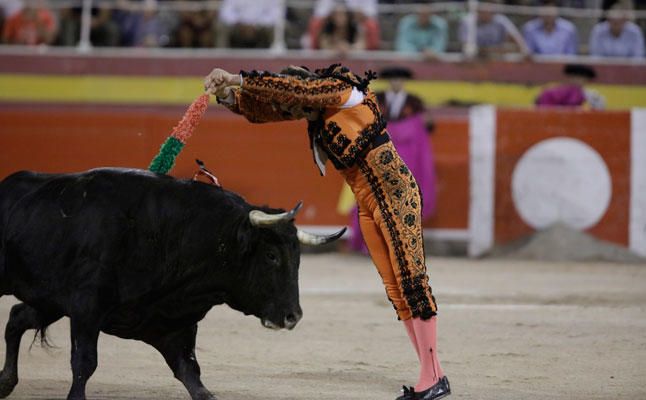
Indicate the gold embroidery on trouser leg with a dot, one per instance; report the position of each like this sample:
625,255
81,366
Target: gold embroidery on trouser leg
399,202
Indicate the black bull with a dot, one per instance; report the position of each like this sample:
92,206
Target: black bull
139,256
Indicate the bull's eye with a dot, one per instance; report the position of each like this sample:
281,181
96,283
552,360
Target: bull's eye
271,257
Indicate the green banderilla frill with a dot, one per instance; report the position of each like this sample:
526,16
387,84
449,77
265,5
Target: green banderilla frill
165,159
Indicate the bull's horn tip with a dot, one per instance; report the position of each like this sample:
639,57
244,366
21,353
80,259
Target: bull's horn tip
340,233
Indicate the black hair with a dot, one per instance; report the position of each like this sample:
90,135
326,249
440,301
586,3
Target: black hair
396,72
579,70
330,26
301,72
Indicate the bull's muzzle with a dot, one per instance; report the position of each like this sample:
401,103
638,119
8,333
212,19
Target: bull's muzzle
289,321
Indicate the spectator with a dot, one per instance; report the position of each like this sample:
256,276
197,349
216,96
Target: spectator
30,26
422,33
607,5
9,8
139,27
151,32
617,37
250,22
364,13
195,29
103,31
493,34
572,92
366,7
370,27
550,34
341,32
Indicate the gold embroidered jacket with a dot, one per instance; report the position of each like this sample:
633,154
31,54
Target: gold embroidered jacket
342,133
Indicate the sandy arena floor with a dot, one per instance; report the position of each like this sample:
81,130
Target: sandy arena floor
508,330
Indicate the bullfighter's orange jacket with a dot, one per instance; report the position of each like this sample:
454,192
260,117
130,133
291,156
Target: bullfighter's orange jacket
343,133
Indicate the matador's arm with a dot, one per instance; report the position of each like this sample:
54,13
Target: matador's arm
254,108
316,93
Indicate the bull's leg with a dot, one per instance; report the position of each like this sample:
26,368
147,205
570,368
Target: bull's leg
178,349
21,319
86,315
85,335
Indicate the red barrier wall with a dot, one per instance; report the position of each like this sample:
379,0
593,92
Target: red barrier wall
606,132
268,164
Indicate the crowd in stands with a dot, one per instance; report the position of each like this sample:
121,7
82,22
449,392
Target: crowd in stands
337,25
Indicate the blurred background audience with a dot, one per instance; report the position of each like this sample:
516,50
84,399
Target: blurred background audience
341,32
617,36
194,28
103,30
249,23
406,26
423,32
139,24
9,8
495,34
29,25
343,25
550,34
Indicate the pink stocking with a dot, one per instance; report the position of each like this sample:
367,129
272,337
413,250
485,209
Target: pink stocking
426,337
411,334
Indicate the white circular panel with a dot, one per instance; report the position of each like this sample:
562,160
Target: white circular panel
561,180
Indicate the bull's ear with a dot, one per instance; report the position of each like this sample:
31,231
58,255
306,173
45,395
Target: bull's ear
243,236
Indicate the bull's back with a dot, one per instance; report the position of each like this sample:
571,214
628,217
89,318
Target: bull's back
16,186
109,227
90,209
12,189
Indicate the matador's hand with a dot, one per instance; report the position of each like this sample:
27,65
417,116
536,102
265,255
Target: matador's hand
222,92
218,79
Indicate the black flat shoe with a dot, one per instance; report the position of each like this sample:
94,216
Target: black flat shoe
408,393
440,390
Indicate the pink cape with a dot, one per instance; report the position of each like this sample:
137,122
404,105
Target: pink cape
563,95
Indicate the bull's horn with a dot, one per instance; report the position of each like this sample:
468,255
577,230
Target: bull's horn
317,240
261,218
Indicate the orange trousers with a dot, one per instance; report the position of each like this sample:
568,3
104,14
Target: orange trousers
390,219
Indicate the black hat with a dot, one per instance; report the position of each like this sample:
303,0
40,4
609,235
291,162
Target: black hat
579,70
396,72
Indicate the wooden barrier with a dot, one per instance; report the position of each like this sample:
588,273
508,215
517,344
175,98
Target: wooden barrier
267,163
534,168
493,175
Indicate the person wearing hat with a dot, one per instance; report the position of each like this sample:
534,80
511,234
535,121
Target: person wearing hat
409,132
572,92
346,127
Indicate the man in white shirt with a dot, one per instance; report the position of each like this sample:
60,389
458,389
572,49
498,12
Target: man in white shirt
250,22
495,34
550,34
617,37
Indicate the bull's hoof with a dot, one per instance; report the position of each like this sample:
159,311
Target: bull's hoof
7,383
204,395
